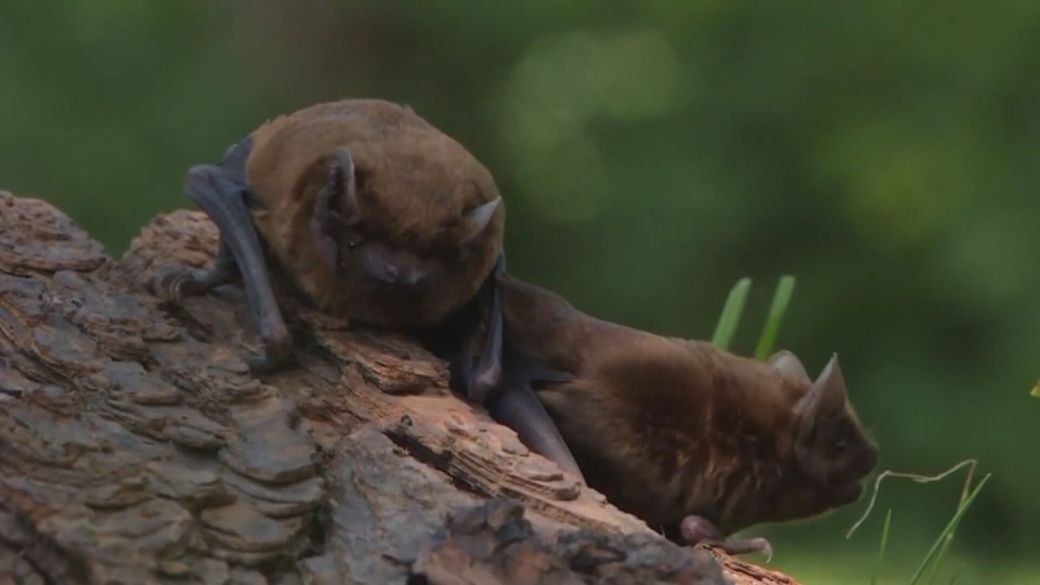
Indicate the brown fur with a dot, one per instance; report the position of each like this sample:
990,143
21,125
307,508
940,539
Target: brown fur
414,182
668,427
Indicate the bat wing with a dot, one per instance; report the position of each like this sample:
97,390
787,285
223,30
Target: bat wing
516,405
235,157
480,380
221,191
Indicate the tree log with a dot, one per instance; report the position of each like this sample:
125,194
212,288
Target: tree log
136,447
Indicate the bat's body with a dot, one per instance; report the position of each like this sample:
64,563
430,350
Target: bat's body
374,214
414,187
691,439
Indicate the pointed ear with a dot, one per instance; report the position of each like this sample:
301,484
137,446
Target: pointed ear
335,205
827,395
789,366
475,220
342,181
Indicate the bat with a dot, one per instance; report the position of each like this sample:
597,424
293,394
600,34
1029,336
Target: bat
692,439
371,213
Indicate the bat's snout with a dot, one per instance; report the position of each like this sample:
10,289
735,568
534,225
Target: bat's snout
390,274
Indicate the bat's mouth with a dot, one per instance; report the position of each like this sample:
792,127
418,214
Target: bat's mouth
848,485
848,492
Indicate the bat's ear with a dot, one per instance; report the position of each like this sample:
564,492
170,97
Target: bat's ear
789,366
342,184
335,206
826,396
475,220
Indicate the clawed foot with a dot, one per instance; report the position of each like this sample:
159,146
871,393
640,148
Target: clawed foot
174,285
743,547
698,530
265,364
178,284
183,285
278,352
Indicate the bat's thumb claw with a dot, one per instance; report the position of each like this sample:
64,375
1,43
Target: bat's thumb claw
199,176
484,383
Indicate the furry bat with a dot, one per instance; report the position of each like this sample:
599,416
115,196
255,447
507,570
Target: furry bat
691,439
371,212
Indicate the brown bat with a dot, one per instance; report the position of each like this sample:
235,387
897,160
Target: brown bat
691,439
374,215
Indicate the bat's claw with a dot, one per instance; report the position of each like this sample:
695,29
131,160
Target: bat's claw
768,551
484,382
278,351
760,545
743,547
173,285
181,285
266,364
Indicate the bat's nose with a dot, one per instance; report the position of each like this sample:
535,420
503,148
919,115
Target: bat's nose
394,275
411,277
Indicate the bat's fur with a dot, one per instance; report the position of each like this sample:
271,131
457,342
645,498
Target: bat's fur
414,187
668,428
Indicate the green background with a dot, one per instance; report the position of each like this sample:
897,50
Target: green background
651,153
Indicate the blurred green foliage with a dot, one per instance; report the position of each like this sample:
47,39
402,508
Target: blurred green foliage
651,154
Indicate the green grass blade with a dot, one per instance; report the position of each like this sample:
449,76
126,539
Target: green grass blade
881,549
781,298
950,527
731,312
965,492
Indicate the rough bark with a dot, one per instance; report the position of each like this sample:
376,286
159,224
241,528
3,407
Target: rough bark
136,447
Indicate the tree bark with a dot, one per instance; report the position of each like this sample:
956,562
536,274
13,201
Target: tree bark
136,446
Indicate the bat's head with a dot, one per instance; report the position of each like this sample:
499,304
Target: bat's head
831,452
411,236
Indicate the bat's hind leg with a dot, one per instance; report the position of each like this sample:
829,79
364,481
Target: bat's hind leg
699,530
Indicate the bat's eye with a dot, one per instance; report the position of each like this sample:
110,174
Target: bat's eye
353,239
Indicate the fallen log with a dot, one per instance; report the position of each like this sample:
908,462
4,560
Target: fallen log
137,447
